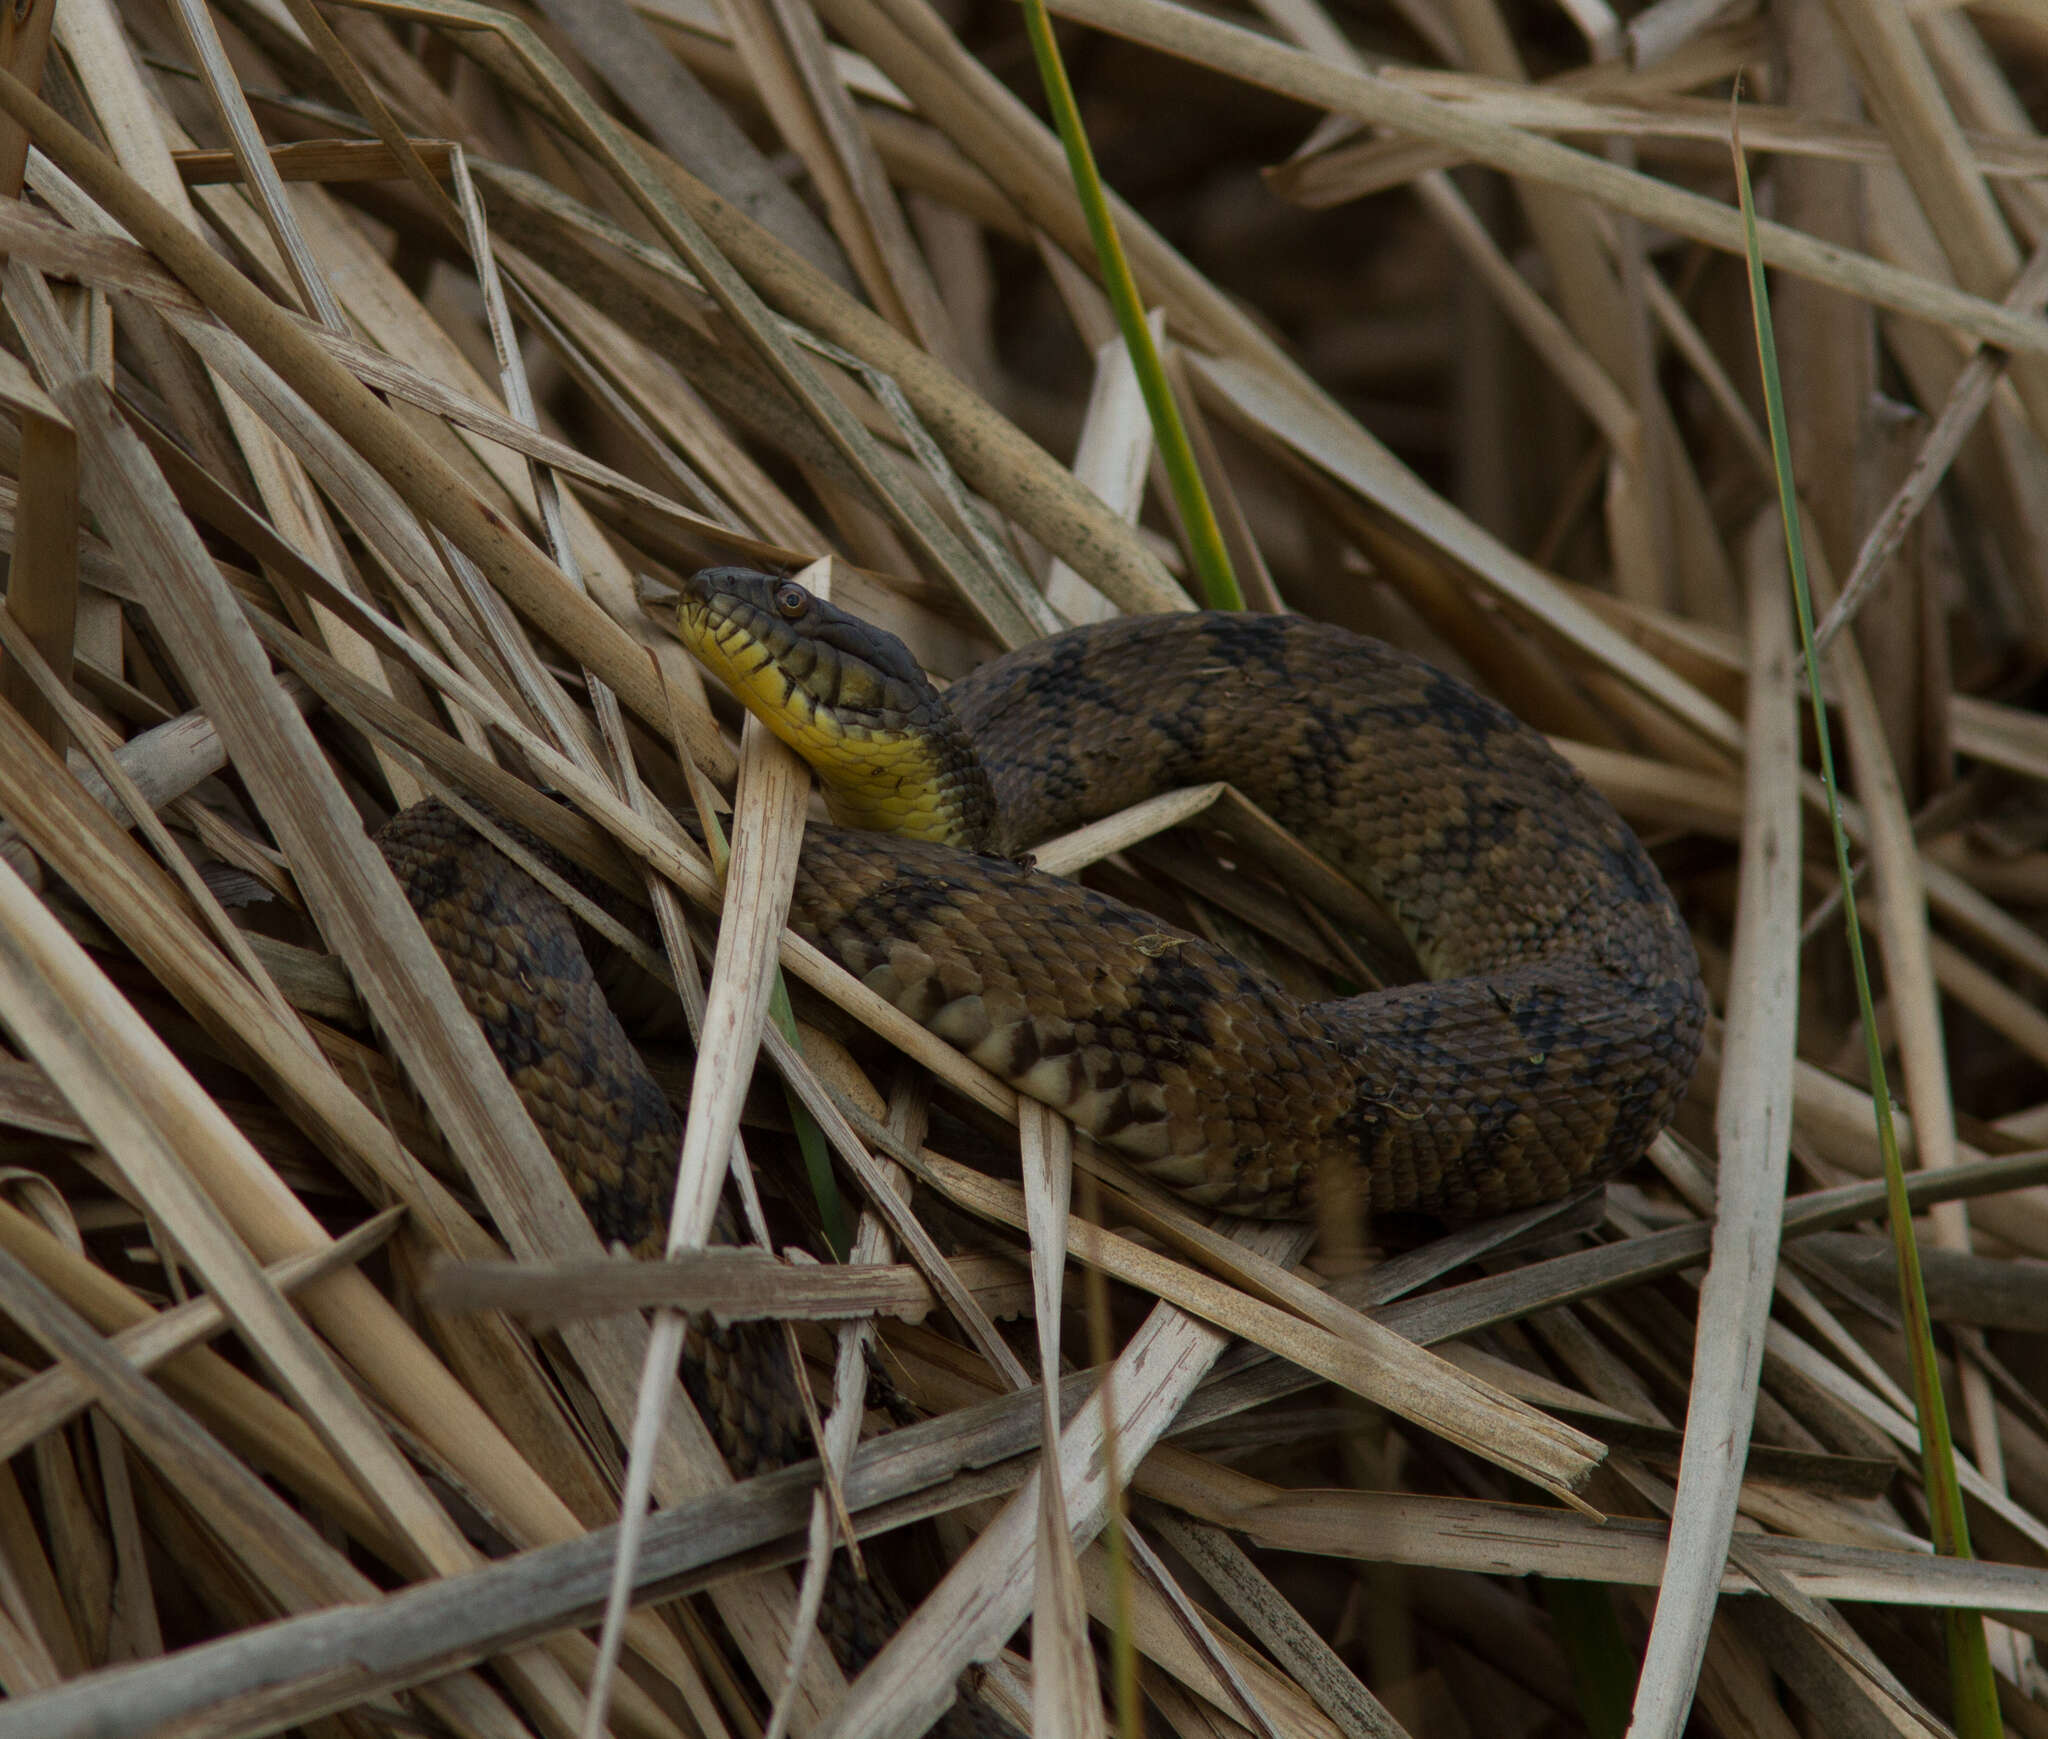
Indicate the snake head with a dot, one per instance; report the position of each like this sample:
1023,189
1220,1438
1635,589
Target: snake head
849,698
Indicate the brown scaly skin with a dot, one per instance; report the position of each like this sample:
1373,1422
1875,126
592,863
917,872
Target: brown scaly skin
516,959
1567,1009
1561,1028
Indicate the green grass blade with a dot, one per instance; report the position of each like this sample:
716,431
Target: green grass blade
1217,579
1972,1683
810,1139
1603,1666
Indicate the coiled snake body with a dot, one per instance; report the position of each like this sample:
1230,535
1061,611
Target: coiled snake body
1559,1029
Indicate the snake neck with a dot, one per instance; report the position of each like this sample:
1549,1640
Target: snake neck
923,781
849,698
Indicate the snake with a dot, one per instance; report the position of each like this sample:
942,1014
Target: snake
1550,1040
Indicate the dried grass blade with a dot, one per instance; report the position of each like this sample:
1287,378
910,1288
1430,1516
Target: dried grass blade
987,1592
1899,83
1232,1664
1966,402
277,755
641,175
1462,1309
321,160
1073,852
1004,589
1113,458
94,857
1902,1711
285,1671
238,1409
690,125
258,172
1754,1127
126,798
1900,1427
363,420
1270,1617
1320,433
24,43
407,381
644,390
1576,368
732,1285
433,1627
383,305
163,762
996,460
129,1086
1371,1361
768,833
1345,168
277,1545
50,1398
42,574
815,112
1234,51
1514,1540
1904,919
275,1333
2006,736
1066,1701
844,1125
112,81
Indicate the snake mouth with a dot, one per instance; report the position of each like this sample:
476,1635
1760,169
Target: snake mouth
846,696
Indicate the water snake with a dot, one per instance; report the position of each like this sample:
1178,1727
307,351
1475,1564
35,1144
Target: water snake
1564,1009
1559,1026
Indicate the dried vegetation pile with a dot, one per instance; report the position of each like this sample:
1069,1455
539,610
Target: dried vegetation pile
368,368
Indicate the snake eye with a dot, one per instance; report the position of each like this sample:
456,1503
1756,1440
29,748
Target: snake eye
792,600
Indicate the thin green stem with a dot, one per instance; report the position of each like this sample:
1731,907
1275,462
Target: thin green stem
1218,580
1601,1661
1972,1682
1123,1646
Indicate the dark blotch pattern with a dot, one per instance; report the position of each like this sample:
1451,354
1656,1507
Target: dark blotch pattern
1568,1010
